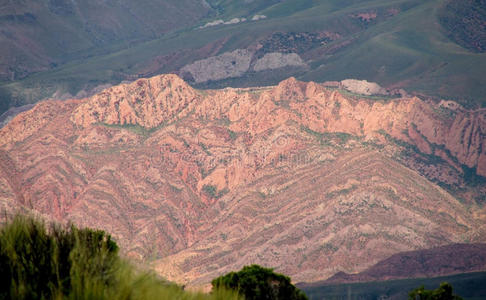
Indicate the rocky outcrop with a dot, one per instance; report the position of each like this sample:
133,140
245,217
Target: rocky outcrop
271,61
204,182
30,122
363,87
236,64
466,140
12,112
146,102
226,65
161,100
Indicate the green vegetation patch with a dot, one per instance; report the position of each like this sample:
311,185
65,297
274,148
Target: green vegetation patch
135,128
444,291
255,283
326,138
343,192
377,98
213,192
39,262
233,135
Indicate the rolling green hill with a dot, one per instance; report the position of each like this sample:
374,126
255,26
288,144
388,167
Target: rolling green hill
423,47
37,36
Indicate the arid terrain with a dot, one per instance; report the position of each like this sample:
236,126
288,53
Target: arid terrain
306,179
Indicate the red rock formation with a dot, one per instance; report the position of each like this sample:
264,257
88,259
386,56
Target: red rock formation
295,176
147,103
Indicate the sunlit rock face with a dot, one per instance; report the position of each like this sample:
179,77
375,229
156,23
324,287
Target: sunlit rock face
294,176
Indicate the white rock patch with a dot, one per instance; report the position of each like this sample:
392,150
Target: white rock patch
276,60
221,22
236,63
226,65
258,17
363,87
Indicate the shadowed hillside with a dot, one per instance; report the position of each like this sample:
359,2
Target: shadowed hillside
440,261
470,286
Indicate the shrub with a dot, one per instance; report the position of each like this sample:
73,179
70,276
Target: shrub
37,263
443,292
256,282
72,263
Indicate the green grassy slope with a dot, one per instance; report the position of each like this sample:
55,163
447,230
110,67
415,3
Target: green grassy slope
37,35
469,286
404,46
411,50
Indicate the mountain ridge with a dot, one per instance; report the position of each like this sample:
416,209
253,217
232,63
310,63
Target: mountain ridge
236,176
462,137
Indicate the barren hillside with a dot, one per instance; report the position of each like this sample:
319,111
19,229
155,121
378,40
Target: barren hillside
305,179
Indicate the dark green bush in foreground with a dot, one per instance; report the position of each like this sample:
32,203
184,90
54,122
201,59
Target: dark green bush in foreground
38,264
255,283
71,263
443,292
